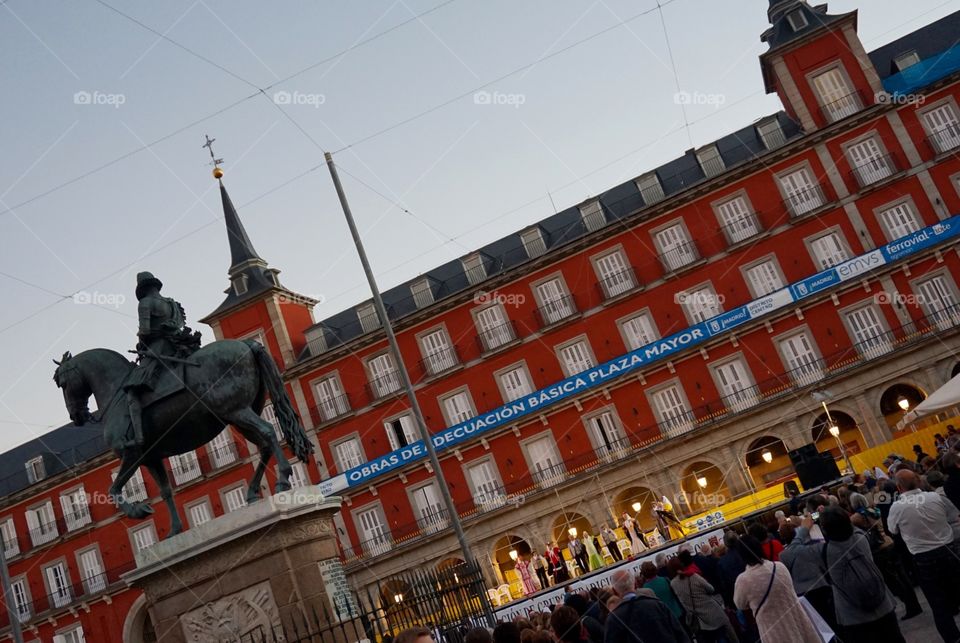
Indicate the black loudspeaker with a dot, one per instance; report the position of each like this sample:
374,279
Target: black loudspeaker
817,472
806,453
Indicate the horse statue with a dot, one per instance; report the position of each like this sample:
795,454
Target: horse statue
223,383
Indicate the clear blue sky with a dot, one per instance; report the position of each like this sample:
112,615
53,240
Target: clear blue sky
463,170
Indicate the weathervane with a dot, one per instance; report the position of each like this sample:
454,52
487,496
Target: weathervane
214,161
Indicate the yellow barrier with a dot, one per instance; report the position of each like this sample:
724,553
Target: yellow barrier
865,459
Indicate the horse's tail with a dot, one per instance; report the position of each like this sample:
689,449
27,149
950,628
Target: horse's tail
286,415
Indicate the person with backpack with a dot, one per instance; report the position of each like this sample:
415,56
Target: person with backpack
865,609
925,519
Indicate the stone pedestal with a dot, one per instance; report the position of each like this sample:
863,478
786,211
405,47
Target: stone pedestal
254,570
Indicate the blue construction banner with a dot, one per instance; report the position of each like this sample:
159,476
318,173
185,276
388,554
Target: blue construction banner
660,350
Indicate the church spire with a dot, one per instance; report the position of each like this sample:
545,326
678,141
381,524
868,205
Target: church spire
242,252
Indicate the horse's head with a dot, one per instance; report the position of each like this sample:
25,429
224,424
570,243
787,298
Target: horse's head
76,390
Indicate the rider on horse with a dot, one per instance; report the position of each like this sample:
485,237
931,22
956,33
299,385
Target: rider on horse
162,333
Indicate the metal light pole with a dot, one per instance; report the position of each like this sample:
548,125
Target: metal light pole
8,598
405,379
834,430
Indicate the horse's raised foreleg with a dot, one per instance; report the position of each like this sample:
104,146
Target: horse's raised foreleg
260,432
130,461
159,473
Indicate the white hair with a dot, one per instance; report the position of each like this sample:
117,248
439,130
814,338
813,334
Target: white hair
622,582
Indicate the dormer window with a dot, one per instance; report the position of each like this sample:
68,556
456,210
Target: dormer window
650,188
907,59
771,133
592,214
474,269
533,242
316,341
240,284
797,20
36,471
422,293
272,277
710,160
367,315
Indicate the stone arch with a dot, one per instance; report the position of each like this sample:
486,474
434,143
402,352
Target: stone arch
500,555
398,602
449,563
625,500
955,370
137,626
850,434
764,473
560,532
896,394
703,486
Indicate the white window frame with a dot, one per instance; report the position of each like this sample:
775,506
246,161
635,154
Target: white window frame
710,160
808,370
672,424
388,382
797,20
58,596
95,583
380,543
771,259
876,345
36,469
877,169
22,600
360,455
803,200
579,339
75,515
679,260
8,533
952,130
408,430
819,262
651,189
432,517
522,368
592,215
72,634
697,300
771,133
185,467
235,495
422,293
436,359
622,323
46,528
533,242
549,475
618,283
493,338
486,498
334,405
474,268
368,318
613,443
944,315
739,223
835,109
199,502
462,393
558,308
906,59
147,527
222,449
738,399
893,232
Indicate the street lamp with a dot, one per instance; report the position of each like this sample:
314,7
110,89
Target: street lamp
636,507
767,456
834,431
573,532
903,403
397,598
514,555
702,481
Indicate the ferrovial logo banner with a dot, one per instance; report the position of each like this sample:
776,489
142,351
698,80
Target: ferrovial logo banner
661,349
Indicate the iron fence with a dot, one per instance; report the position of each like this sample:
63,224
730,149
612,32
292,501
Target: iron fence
448,601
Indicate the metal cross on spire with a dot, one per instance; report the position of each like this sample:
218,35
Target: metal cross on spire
214,161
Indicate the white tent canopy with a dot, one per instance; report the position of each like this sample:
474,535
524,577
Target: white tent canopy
944,398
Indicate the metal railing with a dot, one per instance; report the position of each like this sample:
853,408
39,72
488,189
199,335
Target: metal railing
680,256
331,408
840,108
497,336
805,201
944,139
618,283
746,227
875,170
555,311
439,361
384,385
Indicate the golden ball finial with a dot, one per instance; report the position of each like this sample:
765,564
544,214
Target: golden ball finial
217,173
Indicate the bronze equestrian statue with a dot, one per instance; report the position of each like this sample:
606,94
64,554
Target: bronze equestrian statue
178,399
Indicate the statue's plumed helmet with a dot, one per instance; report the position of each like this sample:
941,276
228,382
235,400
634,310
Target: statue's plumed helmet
144,281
